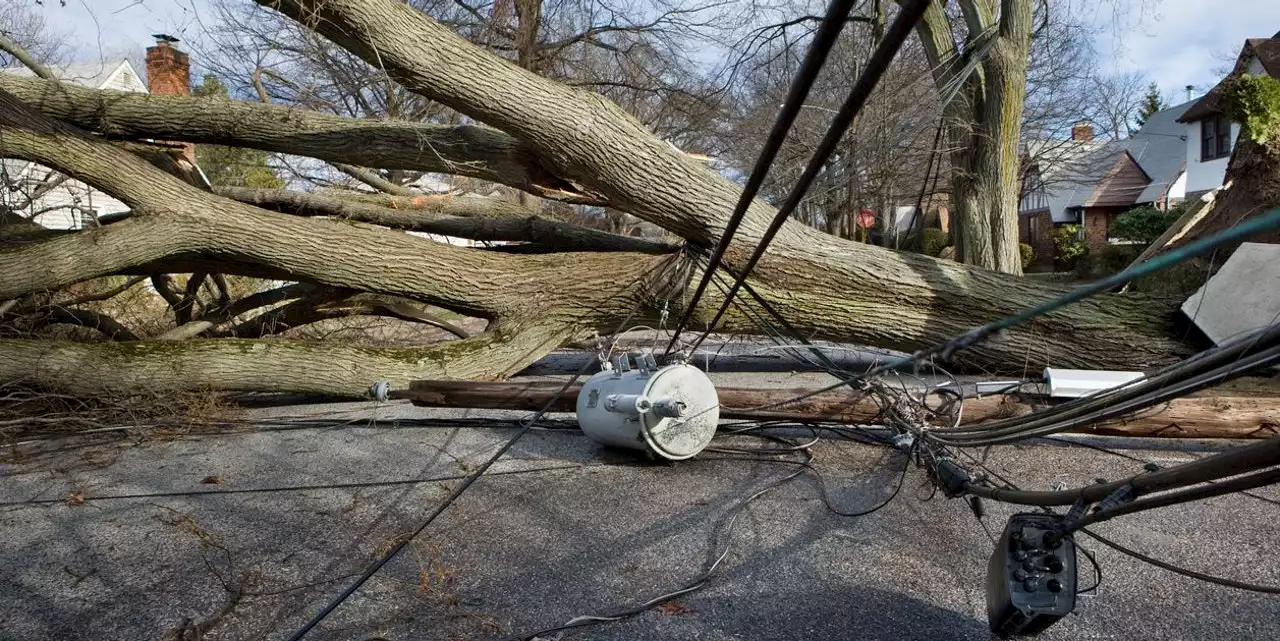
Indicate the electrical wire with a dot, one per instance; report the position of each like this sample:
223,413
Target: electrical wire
457,492
806,465
288,488
824,40
1261,223
1231,486
1165,565
910,12
1150,560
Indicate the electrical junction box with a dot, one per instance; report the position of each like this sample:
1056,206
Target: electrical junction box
671,411
1031,577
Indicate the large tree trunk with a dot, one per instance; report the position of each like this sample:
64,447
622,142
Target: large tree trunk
985,121
826,287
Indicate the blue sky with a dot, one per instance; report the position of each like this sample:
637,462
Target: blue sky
1173,42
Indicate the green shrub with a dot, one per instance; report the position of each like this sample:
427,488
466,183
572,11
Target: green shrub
933,241
1027,253
1114,258
1068,247
1143,224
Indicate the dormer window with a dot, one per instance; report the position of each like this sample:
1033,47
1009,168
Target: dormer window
1215,138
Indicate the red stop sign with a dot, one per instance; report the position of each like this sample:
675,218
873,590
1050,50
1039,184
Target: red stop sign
866,219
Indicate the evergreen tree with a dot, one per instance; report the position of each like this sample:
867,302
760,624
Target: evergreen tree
233,166
1151,103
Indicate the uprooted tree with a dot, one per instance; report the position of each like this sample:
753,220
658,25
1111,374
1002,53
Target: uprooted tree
351,255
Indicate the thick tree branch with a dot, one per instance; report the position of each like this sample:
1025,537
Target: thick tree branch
173,219
274,366
476,152
461,217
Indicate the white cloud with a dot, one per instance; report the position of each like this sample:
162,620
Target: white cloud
98,29
1181,42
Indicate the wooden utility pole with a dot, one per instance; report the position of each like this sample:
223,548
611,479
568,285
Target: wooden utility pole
1233,414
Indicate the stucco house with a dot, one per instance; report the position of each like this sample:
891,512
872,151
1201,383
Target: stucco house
1180,152
55,201
1210,136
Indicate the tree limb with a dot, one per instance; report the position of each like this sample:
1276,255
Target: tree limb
269,366
14,49
476,152
461,217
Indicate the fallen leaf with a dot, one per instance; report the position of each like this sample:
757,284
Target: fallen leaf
212,480
674,608
75,498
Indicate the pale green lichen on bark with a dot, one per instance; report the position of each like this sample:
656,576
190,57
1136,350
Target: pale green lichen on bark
1254,102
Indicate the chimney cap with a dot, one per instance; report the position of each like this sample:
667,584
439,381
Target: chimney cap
163,37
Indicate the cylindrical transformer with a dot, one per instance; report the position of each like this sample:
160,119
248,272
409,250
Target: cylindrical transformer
672,412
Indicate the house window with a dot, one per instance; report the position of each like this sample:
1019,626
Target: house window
1215,138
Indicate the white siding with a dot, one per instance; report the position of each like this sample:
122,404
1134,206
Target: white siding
1178,190
1203,176
72,204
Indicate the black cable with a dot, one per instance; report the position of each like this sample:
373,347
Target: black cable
1242,459
1230,486
824,40
1151,465
1097,569
1156,562
1262,222
1230,583
693,586
909,14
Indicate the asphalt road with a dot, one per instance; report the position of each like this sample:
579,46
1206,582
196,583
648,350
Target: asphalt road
563,528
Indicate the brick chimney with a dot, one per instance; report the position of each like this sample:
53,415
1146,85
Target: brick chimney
169,74
1082,130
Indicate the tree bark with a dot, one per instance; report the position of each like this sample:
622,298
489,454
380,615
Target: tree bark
826,287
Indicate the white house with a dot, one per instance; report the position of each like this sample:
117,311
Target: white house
47,197
1210,136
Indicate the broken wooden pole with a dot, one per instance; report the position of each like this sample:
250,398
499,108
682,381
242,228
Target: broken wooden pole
1207,415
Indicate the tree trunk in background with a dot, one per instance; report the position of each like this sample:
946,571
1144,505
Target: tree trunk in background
985,119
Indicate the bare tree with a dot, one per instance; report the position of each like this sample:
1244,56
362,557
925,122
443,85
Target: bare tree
545,136
1115,99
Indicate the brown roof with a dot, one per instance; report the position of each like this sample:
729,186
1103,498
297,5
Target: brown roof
1121,186
1266,50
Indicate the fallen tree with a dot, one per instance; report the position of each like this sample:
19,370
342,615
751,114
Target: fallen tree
554,140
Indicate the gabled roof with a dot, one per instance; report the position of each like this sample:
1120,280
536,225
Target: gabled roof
1265,50
88,74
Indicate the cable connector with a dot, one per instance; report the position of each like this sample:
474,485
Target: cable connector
1116,498
952,477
